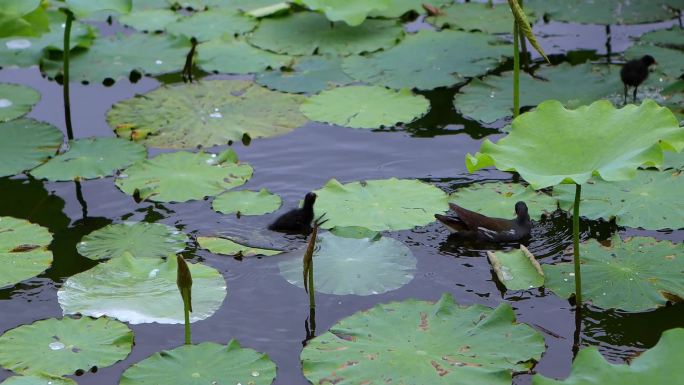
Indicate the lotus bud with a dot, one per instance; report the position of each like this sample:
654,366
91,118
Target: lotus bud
184,280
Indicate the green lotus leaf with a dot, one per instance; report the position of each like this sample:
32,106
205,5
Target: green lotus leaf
446,58
233,5
659,365
365,107
23,18
604,12
245,202
491,98
16,100
25,144
229,55
478,17
498,199
357,232
37,380
637,274
141,290
89,158
665,37
23,250
203,364
308,33
397,8
516,269
150,19
384,204
84,8
552,145
352,12
142,5
211,24
308,75
141,240
226,246
269,10
182,176
58,347
420,342
213,112
673,160
670,61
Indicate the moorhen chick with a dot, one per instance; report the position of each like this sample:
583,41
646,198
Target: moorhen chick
471,225
296,221
634,72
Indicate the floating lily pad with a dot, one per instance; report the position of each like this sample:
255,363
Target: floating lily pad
601,12
229,55
209,113
211,24
90,158
309,75
235,5
245,202
398,8
25,144
63,346
206,363
352,12
150,19
182,176
446,58
419,342
37,380
84,8
357,232
478,17
665,37
308,33
225,246
141,240
269,10
385,204
23,250
673,160
16,100
365,107
498,199
670,61
141,290
360,266
517,269
552,145
637,274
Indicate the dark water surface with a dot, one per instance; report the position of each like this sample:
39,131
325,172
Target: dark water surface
262,310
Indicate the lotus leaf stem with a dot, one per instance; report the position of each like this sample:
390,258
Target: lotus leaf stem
576,253
186,311
516,71
65,73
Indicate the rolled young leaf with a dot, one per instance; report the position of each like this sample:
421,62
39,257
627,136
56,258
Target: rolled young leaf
521,20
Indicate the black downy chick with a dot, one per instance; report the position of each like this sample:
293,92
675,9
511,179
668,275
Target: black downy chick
634,72
471,225
296,221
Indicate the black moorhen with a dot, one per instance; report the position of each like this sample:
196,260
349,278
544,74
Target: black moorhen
471,225
296,221
634,72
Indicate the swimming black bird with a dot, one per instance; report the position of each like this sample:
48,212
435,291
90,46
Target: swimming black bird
634,72
296,221
471,225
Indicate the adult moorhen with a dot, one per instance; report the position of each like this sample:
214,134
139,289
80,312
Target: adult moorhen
296,221
634,72
471,225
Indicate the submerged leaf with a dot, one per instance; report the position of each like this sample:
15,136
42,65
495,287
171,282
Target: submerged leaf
23,250
517,270
218,245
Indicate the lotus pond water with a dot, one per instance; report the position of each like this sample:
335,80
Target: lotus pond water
111,166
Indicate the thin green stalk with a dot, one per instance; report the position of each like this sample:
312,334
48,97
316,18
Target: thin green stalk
184,282
516,72
186,310
576,253
65,70
523,44
312,299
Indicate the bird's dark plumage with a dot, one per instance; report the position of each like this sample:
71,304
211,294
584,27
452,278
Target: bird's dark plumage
297,220
634,72
471,225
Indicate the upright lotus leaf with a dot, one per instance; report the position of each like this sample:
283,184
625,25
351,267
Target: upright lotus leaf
517,269
358,266
352,12
665,37
213,112
141,290
397,8
308,75
308,33
140,239
651,200
446,58
670,61
206,363
23,250
224,246
84,8
25,144
38,380
150,19
23,18
211,24
383,204
233,56
245,202
59,347
498,199
182,176
16,100
605,12
553,145
420,342
481,17
89,158
365,106
637,274
659,365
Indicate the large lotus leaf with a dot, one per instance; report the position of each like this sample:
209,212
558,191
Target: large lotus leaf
365,106
357,266
23,250
114,57
478,17
665,37
309,75
673,160
141,290
498,199
62,346
90,158
516,269
182,176
637,274
37,380
234,5
84,8
213,112
397,8
651,200
385,204
141,240
420,342
150,19
212,24
225,246
660,365
307,33
245,202
204,364
552,145
233,56
25,144
16,100
23,18
446,58
491,98
670,61
601,12
352,12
